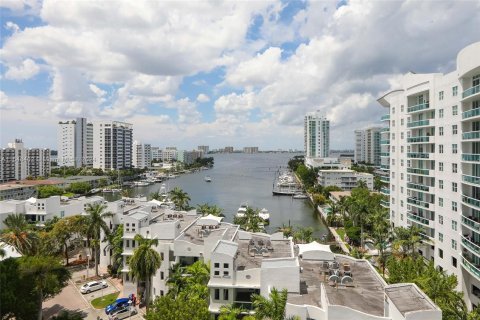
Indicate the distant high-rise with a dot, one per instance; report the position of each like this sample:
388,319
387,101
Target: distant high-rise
317,135
112,145
228,150
142,155
75,143
205,149
367,145
250,150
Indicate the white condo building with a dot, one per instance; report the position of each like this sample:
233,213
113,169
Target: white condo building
112,145
317,135
367,145
431,163
345,179
142,155
18,162
75,143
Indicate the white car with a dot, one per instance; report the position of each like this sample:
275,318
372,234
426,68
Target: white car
123,313
93,286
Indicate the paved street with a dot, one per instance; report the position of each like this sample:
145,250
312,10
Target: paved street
71,299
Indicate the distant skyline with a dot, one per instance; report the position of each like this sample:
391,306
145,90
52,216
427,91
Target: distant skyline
219,73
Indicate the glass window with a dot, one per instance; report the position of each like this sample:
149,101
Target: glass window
440,253
440,237
454,225
454,167
440,95
454,244
454,262
216,265
440,166
454,187
440,202
454,148
440,184
440,148
455,110
225,294
440,131
454,91
454,206
440,113
440,219
225,273
217,294
225,265
454,129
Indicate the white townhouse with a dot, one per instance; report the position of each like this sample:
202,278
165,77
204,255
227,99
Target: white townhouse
430,160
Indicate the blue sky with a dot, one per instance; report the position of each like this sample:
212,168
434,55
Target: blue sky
216,73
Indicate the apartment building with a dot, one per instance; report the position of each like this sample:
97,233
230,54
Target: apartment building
169,154
228,150
112,145
316,135
75,143
321,285
367,145
345,179
205,149
431,162
142,155
18,162
329,163
250,150
189,157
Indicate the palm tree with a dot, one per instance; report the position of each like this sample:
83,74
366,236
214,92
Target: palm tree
286,230
362,184
381,234
251,221
127,193
19,235
230,312
342,204
180,198
405,240
144,263
156,196
303,235
95,224
273,307
206,209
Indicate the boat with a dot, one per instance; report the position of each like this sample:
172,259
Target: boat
95,190
264,214
111,190
300,196
241,211
141,183
208,179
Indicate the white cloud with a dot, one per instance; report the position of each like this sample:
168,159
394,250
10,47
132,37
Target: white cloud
26,70
12,26
202,98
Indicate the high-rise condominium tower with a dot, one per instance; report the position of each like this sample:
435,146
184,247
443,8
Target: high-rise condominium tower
367,145
142,155
112,145
431,163
75,143
317,135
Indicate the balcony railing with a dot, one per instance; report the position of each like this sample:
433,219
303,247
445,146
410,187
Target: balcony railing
471,135
471,179
385,190
471,201
416,186
470,267
385,203
385,117
419,219
418,123
385,130
470,157
385,154
384,141
471,91
471,113
243,305
418,107
385,167
418,139
418,202
385,179
418,155
418,171
474,247
471,223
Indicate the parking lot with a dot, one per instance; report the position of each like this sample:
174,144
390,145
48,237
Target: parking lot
72,300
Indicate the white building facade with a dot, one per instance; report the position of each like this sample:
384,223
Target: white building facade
316,135
75,143
345,179
431,164
142,155
112,145
367,145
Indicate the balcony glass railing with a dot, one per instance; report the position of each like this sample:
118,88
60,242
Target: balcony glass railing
418,107
471,113
418,155
470,267
418,123
416,186
418,171
385,117
385,203
471,245
385,190
243,305
385,167
418,139
471,179
468,221
385,154
471,201
471,91
470,157
418,202
385,179
471,135
385,130
384,141
419,219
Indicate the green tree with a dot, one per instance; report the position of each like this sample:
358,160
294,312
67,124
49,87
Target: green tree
48,276
307,175
287,230
406,239
19,235
377,183
48,191
155,196
128,193
303,235
115,241
206,209
144,262
362,184
381,234
80,187
184,306
273,307
230,312
67,231
95,222
251,221
180,198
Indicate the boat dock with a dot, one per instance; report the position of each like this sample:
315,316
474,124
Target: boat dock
286,184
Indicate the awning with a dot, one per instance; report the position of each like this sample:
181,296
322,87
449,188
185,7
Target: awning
209,220
316,251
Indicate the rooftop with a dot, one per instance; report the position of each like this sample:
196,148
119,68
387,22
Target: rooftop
11,186
251,252
366,294
408,298
338,194
197,234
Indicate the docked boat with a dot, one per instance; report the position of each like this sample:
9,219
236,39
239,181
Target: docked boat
208,179
264,214
95,190
300,196
241,211
111,190
141,183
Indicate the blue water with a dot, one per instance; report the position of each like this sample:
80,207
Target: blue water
246,178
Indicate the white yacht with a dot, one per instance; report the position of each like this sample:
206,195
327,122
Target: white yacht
264,214
208,179
140,184
241,211
300,196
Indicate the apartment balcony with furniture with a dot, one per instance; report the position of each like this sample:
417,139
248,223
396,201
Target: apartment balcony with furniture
470,244
418,219
471,222
418,155
417,186
417,202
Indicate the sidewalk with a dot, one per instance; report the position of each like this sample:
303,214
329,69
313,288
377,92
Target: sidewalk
339,240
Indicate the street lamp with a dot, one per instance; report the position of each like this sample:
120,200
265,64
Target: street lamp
88,264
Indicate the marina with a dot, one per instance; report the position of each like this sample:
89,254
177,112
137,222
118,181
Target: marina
285,184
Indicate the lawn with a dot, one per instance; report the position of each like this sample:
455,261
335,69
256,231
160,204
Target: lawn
341,233
102,302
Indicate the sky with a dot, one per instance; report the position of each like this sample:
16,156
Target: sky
217,73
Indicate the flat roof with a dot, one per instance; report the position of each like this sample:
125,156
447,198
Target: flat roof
366,295
11,186
338,194
196,235
407,298
247,259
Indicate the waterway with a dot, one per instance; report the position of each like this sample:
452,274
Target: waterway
244,178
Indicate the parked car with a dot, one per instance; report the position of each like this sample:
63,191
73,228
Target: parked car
123,313
117,305
93,286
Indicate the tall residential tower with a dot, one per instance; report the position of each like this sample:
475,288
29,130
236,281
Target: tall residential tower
112,145
367,145
317,135
75,143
